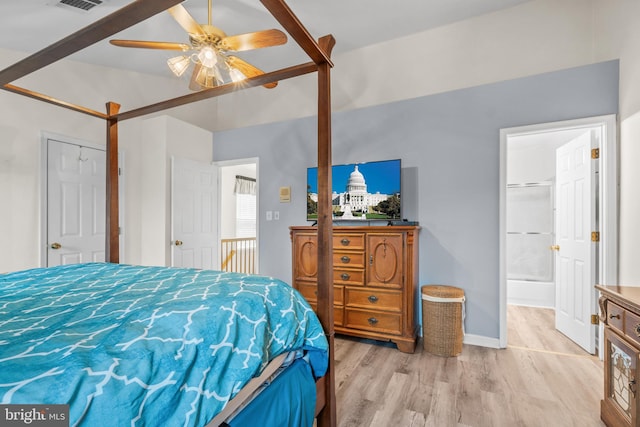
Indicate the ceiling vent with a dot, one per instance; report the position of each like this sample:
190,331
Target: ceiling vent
81,5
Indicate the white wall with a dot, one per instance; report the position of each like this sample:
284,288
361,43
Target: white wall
535,37
618,34
22,121
162,138
21,124
532,158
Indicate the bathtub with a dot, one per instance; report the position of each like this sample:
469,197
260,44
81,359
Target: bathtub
531,293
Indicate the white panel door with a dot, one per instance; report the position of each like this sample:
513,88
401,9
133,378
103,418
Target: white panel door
194,201
76,195
576,255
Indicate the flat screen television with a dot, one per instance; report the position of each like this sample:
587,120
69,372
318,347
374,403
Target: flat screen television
361,191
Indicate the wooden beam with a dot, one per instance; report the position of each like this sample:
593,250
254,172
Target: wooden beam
326,417
276,76
109,25
293,26
50,100
112,232
285,73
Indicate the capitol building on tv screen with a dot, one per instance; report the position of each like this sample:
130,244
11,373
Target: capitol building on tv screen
355,198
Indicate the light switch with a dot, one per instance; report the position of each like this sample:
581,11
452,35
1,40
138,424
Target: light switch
269,215
276,215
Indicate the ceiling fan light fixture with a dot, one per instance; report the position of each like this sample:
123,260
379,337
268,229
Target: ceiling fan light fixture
209,49
236,75
179,64
209,77
208,57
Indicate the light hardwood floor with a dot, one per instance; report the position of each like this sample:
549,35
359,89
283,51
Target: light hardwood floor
541,379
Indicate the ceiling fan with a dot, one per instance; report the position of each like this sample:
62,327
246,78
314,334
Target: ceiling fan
209,49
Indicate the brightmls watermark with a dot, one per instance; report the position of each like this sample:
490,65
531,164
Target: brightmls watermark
34,415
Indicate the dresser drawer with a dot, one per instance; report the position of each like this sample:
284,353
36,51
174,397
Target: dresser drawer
310,292
632,326
348,277
348,259
389,323
615,316
348,241
338,314
376,299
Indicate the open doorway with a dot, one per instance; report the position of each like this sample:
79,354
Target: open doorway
531,274
239,216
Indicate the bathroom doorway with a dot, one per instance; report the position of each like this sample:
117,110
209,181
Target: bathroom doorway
533,270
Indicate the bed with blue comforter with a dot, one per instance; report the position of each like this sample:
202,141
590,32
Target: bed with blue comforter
149,346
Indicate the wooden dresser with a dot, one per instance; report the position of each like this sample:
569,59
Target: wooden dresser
375,274
620,312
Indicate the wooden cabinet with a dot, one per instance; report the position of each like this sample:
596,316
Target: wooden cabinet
375,275
620,312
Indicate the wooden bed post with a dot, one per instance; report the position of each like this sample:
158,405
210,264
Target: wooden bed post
327,417
112,232
320,54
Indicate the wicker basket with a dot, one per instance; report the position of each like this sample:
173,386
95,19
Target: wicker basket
442,319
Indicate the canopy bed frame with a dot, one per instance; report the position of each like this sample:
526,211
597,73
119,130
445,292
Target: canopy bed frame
318,51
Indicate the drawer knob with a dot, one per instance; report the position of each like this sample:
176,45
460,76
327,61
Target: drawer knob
632,387
345,276
372,321
614,316
638,330
345,259
345,242
374,299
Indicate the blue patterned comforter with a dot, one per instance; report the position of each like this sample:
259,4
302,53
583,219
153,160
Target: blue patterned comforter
150,346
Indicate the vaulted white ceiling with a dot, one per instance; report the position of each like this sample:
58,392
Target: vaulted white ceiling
30,25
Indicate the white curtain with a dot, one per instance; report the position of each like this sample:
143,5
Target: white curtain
244,185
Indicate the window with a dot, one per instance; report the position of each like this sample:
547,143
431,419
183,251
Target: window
245,215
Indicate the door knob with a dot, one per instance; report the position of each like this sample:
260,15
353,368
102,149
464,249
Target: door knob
178,243
555,248
56,245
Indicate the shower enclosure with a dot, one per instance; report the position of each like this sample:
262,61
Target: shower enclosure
530,236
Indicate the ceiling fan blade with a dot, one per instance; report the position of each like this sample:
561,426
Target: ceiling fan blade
255,40
193,84
150,45
185,20
247,69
